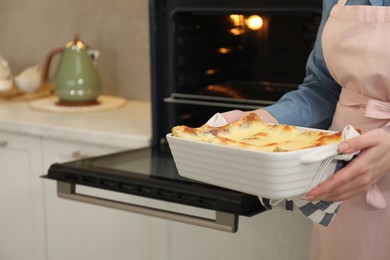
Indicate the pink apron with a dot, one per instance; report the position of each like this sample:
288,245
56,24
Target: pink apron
356,46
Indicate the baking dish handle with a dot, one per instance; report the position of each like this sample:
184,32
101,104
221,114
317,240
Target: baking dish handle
223,221
328,151
320,154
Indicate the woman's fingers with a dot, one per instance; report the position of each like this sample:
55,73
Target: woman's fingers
232,115
369,139
355,178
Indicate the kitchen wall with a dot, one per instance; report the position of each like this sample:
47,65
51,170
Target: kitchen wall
117,28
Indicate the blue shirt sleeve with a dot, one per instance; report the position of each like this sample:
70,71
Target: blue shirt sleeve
314,103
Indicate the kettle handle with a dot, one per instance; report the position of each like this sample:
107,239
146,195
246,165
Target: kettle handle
49,57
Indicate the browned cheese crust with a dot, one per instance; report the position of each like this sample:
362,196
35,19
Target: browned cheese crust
250,132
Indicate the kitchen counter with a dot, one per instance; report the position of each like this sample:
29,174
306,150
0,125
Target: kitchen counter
128,126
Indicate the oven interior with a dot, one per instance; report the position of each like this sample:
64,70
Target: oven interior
208,58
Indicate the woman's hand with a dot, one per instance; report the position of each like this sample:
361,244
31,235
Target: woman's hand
362,172
233,115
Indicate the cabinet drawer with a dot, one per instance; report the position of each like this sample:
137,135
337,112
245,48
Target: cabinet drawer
62,151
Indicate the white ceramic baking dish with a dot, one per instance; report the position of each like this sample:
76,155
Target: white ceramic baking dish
273,175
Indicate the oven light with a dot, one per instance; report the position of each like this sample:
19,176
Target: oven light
238,21
210,72
224,50
254,22
237,31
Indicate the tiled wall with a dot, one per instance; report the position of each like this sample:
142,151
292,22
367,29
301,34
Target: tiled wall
117,28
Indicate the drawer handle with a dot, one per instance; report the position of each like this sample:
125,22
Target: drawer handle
73,155
223,221
3,143
80,155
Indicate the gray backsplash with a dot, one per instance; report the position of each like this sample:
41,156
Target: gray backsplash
29,29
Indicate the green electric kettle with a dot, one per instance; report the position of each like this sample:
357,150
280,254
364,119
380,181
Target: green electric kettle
76,80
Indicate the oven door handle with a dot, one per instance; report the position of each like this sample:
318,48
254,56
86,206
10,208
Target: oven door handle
223,221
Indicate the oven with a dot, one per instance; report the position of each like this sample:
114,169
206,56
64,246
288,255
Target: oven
207,56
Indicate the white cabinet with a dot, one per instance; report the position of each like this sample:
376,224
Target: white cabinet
271,235
21,198
34,223
81,231
37,225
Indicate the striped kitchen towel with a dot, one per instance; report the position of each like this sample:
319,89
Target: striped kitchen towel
321,212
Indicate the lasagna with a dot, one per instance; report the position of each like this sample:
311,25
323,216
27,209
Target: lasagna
250,132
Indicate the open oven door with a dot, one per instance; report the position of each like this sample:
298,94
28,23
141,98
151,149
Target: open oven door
151,173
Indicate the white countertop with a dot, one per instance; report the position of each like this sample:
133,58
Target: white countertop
128,126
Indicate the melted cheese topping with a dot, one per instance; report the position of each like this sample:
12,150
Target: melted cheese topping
251,133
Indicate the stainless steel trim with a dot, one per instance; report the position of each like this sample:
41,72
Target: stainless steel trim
224,221
221,99
209,103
